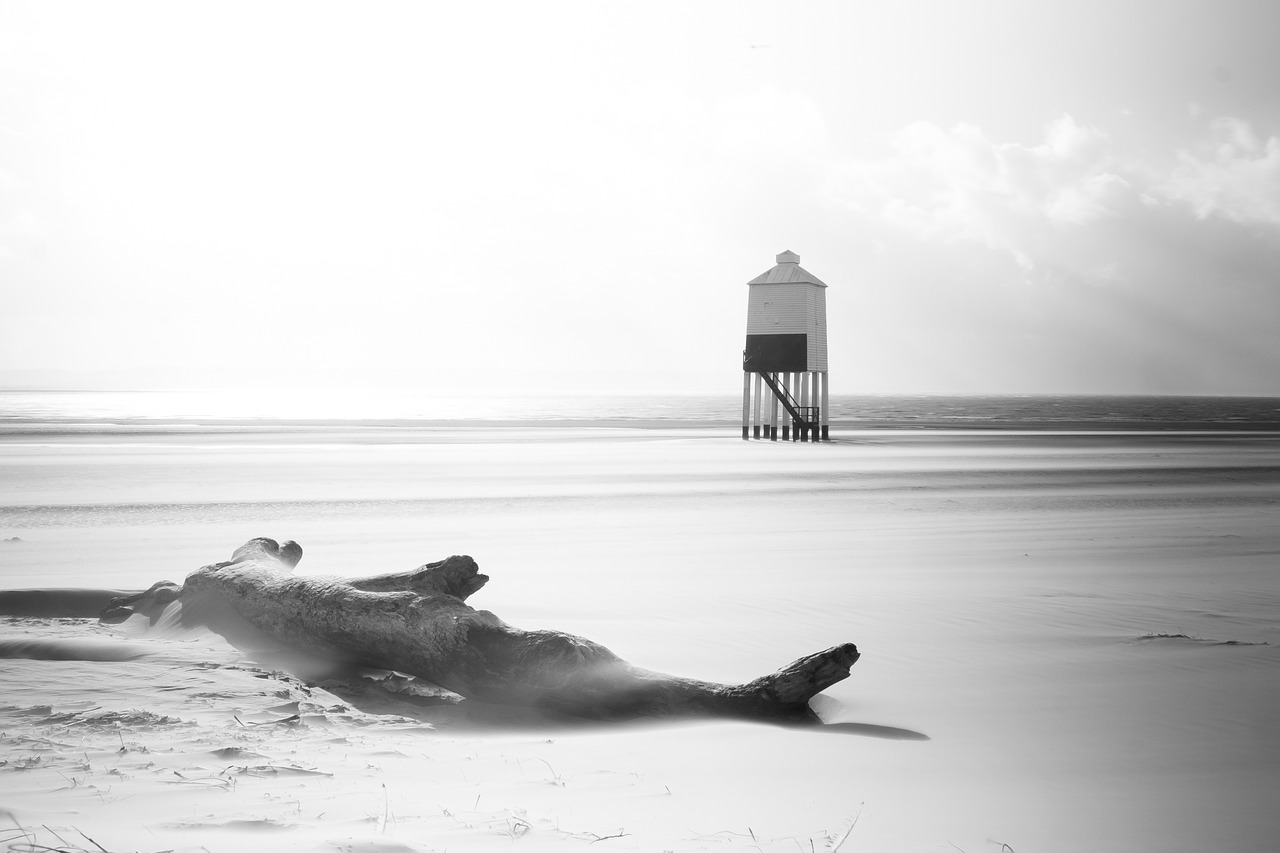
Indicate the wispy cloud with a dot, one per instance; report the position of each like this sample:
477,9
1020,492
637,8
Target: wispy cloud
1235,173
1155,273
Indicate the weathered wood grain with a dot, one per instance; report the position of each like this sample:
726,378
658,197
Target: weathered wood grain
419,623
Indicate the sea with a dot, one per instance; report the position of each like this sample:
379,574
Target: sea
21,409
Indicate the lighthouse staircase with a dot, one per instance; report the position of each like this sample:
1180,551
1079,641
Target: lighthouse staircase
803,418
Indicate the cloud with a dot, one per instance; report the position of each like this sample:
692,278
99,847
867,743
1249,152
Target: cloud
959,185
1063,264
1235,174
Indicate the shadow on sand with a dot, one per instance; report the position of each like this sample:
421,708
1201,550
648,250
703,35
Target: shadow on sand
380,692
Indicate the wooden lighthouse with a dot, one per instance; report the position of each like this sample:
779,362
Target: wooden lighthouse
784,365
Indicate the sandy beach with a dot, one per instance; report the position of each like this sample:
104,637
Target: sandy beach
1071,641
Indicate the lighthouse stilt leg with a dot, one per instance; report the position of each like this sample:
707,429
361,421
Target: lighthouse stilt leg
815,399
773,413
795,395
746,404
804,403
756,429
813,406
826,405
785,381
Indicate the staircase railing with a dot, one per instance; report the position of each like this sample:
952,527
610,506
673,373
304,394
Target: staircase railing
804,416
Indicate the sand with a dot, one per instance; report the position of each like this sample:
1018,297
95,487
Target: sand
1085,627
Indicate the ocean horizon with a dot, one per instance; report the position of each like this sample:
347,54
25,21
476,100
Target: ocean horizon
26,408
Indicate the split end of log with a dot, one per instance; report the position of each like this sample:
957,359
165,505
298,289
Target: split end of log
150,602
782,696
798,682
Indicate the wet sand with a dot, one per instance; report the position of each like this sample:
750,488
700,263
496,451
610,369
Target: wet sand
1085,626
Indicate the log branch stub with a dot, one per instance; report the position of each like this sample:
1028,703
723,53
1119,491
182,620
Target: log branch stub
287,553
458,576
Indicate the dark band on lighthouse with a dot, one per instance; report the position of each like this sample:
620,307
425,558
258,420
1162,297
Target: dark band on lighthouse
777,353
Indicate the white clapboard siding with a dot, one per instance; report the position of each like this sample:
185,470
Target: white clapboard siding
781,309
818,336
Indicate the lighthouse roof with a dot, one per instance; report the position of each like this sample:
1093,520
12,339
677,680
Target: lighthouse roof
788,271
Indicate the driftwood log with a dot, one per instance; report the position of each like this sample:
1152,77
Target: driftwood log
418,623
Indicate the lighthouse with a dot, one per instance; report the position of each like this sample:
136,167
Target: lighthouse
784,364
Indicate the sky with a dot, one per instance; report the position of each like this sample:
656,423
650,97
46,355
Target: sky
1003,197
